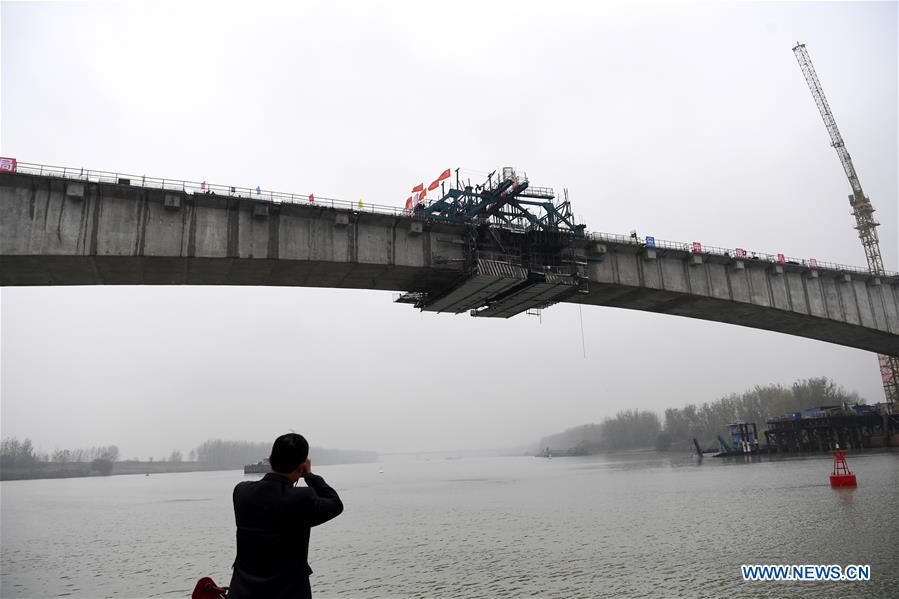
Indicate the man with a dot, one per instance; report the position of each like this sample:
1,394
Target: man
273,521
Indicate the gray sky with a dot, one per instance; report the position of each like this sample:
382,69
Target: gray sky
690,122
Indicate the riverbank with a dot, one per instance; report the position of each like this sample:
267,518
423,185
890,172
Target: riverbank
84,469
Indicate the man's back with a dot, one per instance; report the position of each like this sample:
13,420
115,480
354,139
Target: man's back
273,521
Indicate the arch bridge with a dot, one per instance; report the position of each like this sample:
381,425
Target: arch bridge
493,250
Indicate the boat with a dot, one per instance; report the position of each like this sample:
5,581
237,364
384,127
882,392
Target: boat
744,441
744,438
563,453
260,467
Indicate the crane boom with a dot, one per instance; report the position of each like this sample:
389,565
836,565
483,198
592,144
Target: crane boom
805,63
862,209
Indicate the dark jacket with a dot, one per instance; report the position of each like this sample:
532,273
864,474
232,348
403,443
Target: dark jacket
273,521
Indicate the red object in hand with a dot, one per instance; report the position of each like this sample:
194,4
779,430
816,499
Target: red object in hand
207,589
842,476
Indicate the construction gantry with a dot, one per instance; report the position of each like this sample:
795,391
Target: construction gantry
519,252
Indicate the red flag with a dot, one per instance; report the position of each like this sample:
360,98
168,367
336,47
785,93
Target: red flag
311,197
433,185
422,195
409,203
444,175
418,187
202,185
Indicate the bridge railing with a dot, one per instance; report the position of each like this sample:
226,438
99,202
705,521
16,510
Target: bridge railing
733,253
202,187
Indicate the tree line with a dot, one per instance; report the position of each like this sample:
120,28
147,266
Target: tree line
759,404
633,429
22,456
626,430
214,453
236,454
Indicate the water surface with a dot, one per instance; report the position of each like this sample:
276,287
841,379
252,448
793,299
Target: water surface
604,526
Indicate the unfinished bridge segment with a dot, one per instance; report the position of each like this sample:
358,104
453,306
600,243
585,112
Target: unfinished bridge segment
495,262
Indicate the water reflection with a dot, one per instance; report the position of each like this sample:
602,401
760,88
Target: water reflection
846,495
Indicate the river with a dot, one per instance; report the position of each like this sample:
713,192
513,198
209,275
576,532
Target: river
616,525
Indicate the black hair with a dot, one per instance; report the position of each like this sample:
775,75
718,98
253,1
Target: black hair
288,452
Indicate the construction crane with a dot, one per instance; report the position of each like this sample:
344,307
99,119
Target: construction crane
862,209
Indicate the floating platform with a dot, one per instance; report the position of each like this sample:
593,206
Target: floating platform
758,450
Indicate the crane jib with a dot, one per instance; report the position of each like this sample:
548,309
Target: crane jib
862,209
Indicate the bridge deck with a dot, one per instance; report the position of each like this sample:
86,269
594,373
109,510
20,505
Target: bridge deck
106,233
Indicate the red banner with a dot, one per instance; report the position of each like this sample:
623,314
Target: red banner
444,175
7,165
697,247
433,185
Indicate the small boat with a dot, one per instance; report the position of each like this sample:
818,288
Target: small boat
563,453
260,467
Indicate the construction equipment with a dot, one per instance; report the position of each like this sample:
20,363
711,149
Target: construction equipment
862,209
509,201
520,248
725,448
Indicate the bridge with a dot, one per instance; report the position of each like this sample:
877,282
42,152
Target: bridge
62,227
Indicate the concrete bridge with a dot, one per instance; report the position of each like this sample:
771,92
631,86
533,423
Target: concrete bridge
59,231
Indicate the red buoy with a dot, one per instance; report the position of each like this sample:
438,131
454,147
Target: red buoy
841,476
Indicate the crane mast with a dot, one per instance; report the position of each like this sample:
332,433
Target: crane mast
862,209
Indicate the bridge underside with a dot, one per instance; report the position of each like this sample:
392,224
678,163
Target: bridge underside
147,270
108,234
159,270
747,315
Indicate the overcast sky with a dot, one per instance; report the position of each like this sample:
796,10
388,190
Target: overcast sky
690,122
